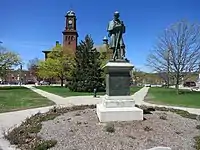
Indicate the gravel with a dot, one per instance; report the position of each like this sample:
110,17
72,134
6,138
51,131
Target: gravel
81,130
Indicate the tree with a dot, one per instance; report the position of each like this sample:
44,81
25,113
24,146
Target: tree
177,52
8,59
33,67
104,55
138,76
58,64
86,74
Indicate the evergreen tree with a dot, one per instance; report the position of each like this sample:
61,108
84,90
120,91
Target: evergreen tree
86,74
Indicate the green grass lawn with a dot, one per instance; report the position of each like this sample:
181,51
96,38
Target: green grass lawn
18,98
167,96
65,92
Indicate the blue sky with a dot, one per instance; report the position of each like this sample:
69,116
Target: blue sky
28,26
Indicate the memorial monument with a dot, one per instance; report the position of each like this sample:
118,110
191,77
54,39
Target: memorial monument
118,104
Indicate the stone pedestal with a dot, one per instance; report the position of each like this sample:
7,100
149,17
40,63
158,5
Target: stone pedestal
117,104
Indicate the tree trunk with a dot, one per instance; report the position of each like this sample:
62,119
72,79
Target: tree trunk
177,84
61,82
177,89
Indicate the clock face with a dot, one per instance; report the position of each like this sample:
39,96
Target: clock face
70,22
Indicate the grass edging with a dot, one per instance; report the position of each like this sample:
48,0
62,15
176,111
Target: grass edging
26,136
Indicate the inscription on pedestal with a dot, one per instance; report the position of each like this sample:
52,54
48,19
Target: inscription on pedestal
118,84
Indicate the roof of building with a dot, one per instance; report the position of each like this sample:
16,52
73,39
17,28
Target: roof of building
101,48
71,13
47,51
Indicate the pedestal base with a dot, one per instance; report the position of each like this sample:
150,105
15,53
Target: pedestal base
118,113
118,101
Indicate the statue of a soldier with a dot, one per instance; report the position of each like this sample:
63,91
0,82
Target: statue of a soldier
116,28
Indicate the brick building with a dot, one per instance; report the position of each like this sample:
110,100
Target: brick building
13,76
70,35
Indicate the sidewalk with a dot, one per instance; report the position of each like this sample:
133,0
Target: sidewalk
12,119
139,100
58,100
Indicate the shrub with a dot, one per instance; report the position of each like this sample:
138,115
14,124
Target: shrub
110,127
198,127
147,129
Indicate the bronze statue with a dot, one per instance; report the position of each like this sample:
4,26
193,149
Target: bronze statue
116,28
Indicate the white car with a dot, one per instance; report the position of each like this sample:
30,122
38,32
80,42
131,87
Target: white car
44,83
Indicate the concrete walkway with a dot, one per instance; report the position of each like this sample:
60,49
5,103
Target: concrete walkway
58,100
140,95
67,101
11,119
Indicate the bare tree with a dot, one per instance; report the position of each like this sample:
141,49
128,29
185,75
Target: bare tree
33,63
33,67
177,51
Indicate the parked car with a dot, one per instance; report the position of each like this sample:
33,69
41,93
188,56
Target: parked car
4,82
189,84
30,82
147,85
44,83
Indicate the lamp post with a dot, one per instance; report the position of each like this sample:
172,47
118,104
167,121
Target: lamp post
25,78
198,81
20,75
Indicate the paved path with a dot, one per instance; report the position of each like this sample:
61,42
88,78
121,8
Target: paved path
140,95
8,120
84,100
67,101
55,98
11,119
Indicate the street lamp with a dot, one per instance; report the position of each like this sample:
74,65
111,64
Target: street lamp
20,75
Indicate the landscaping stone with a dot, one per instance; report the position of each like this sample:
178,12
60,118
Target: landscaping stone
124,135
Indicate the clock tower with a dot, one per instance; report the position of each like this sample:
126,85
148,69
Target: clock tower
70,35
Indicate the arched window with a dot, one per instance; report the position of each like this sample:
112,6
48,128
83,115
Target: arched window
69,38
66,38
72,38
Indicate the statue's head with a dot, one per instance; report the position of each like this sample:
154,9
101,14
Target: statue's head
116,15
